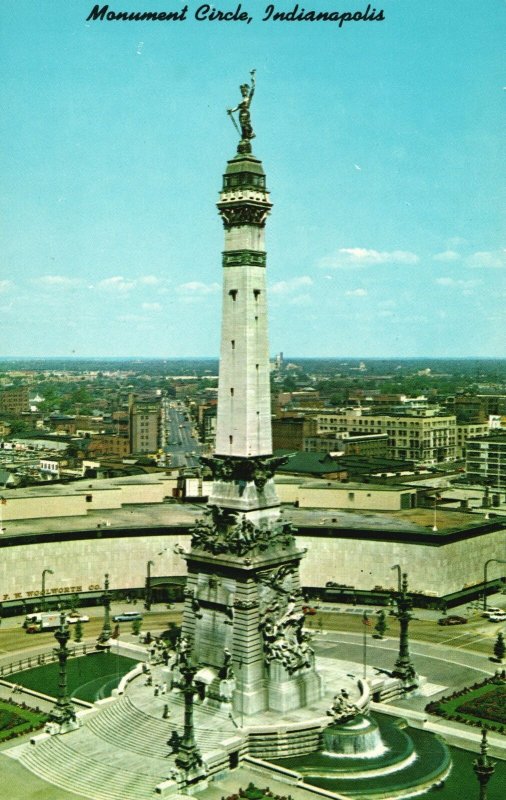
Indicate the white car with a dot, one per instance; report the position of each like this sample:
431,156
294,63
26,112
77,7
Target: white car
491,610
76,617
497,618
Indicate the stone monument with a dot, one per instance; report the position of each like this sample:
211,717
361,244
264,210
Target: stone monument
242,619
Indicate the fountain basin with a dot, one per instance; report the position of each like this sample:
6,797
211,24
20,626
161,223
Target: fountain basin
411,762
359,737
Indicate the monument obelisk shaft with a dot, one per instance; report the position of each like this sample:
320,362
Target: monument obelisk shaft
243,433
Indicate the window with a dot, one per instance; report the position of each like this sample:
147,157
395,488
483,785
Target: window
233,294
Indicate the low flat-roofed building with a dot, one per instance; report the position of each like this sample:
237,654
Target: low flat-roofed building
366,445
343,546
358,496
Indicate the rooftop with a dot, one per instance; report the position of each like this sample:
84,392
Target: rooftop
148,519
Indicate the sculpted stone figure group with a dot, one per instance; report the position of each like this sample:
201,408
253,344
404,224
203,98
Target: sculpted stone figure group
221,532
285,640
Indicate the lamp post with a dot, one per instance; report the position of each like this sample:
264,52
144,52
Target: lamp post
106,632
399,576
63,713
485,568
483,766
188,757
43,599
434,527
147,595
404,668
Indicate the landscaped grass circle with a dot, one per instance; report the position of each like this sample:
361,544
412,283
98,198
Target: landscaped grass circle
15,720
89,677
485,704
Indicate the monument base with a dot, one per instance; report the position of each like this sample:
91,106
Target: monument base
243,496
287,692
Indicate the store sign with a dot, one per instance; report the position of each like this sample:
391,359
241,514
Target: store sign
93,587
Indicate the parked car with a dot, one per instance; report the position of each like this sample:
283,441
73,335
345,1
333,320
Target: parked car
452,619
127,616
75,616
493,610
497,617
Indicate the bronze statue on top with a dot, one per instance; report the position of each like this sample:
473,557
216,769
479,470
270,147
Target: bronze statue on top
246,129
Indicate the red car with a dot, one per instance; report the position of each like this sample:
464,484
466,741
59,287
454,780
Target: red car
452,620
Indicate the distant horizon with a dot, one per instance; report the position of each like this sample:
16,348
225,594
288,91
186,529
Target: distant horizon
272,355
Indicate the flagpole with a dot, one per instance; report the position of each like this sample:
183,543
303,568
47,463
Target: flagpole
365,622
3,502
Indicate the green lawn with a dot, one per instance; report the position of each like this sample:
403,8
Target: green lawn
15,720
89,677
486,703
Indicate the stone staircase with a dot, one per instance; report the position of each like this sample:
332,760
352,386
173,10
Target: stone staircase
79,772
121,752
128,728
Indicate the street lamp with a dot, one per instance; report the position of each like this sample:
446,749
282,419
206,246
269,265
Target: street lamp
399,576
490,561
44,573
147,596
404,669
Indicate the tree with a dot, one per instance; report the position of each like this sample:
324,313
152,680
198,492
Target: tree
78,631
136,626
381,625
499,647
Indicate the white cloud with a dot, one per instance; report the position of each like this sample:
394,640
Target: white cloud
458,283
197,288
286,287
149,280
455,241
58,281
487,259
447,255
117,284
5,286
151,307
359,257
356,293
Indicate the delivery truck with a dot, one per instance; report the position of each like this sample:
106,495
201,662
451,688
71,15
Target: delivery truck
35,623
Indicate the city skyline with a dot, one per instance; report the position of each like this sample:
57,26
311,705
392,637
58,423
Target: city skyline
381,145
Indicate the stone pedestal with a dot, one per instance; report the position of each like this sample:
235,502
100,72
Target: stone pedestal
243,613
286,692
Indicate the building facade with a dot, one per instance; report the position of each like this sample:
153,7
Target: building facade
421,435
486,460
145,415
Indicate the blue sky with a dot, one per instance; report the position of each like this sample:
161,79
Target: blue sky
382,144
